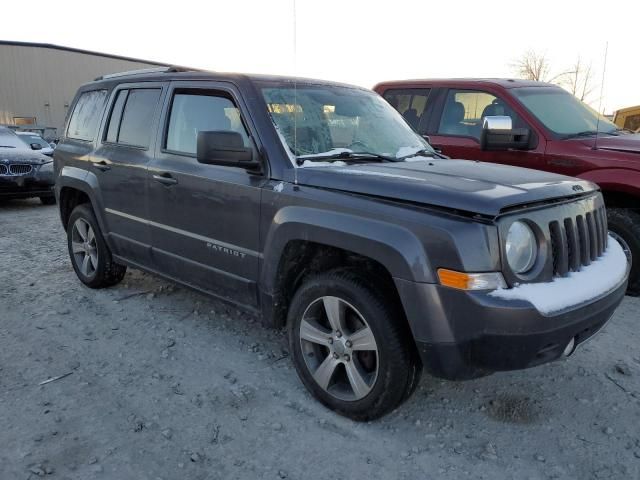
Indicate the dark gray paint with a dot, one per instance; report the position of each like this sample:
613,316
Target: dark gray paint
223,230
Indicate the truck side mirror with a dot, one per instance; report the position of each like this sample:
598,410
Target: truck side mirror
225,147
498,134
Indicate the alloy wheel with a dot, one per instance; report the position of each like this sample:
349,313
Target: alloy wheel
84,247
339,348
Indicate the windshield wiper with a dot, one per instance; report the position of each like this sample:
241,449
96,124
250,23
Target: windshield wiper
346,156
7,146
586,133
425,152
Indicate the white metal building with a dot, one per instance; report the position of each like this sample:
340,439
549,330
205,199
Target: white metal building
38,81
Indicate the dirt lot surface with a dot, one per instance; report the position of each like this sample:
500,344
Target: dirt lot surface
164,383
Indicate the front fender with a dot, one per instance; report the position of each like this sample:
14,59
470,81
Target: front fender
394,247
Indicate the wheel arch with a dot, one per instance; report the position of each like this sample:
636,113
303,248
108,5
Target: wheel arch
620,188
304,241
74,187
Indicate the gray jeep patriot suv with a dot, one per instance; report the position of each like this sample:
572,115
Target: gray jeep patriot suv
315,205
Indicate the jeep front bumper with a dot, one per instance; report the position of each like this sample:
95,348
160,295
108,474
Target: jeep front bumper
461,334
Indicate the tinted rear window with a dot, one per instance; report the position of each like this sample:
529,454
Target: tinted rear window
116,116
86,115
132,117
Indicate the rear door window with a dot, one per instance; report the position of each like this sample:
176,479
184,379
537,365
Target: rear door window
131,117
116,116
412,105
84,121
137,117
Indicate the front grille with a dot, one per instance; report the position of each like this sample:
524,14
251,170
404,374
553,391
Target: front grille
578,241
3,170
20,169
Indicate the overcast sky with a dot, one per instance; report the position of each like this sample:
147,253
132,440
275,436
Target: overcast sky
360,42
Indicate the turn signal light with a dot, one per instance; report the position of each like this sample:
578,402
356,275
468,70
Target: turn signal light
471,281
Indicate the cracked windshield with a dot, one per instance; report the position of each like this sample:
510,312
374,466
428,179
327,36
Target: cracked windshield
333,122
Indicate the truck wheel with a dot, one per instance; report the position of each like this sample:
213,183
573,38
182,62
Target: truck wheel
350,347
51,200
625,224
90,255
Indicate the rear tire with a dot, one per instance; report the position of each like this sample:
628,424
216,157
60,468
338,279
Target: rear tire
89,253
350,346
626,224
48,200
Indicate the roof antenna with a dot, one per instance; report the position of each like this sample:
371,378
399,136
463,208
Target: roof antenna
604,71
295,93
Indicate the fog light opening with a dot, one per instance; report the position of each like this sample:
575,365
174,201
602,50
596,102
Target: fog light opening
570,348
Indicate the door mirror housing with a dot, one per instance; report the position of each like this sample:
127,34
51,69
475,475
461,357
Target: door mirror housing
225,147
498,134
36,146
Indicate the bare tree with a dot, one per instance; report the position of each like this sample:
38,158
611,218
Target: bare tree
579,80
532,66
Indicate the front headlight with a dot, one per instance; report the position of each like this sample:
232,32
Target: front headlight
521,247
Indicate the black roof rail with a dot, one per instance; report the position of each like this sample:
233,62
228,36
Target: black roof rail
170,69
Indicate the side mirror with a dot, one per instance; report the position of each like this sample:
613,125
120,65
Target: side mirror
36,146
498,134
225,148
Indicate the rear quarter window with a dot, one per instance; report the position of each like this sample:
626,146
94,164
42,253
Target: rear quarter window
84,121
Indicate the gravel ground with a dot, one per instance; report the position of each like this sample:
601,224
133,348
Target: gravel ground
164,383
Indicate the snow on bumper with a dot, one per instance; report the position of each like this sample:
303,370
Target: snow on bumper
602,276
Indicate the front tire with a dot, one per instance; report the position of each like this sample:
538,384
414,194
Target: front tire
89,253
625,224
350,346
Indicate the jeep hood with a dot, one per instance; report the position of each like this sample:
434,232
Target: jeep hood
466,185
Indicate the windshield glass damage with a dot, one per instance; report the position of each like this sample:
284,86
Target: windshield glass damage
325,122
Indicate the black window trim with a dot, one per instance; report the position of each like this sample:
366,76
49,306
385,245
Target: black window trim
75,105
112,103
204,90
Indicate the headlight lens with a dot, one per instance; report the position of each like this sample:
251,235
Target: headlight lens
521,247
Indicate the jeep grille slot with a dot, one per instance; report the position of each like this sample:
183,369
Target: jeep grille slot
583,236
573,244
577,241
560,249
593,236
20,169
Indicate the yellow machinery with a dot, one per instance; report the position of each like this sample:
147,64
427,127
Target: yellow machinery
628,118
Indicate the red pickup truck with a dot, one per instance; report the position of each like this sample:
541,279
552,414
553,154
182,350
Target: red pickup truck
535,125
